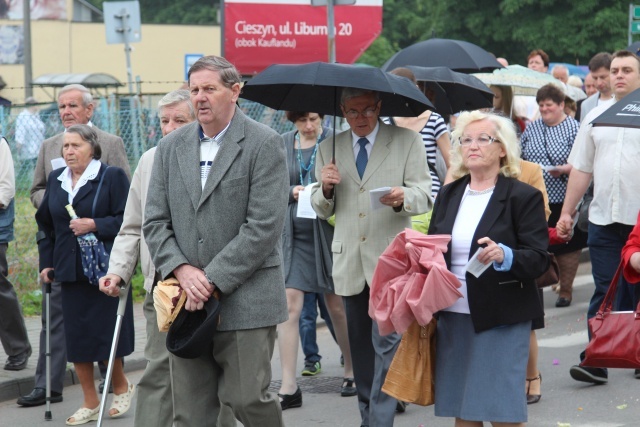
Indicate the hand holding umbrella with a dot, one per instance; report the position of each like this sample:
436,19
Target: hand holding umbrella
330,178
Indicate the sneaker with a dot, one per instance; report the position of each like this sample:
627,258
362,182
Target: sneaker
636,374
589,374
311,369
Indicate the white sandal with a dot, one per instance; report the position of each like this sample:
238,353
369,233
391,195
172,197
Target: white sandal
122,402
83,416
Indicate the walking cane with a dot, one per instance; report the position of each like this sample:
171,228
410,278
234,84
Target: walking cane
47,412
122,304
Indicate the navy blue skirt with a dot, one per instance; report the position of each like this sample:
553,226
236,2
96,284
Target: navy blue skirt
90,320
481,376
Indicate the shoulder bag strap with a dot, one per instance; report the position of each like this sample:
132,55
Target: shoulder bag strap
95,199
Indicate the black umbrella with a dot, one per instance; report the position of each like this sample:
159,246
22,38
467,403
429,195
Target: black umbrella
317,86
458,55
634,48
463,92
624,113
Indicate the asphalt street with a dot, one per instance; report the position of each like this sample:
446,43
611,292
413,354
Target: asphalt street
564,403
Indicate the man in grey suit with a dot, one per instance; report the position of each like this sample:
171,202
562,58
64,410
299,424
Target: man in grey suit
214,217
599,69
75,106
369,156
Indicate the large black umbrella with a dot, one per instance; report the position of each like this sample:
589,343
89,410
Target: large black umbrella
458,55
317,86
463,92
624,113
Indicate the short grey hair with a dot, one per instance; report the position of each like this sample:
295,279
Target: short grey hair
352,92
228,72
88,134
176,97
87,98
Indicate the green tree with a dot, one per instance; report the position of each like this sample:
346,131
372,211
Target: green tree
569,31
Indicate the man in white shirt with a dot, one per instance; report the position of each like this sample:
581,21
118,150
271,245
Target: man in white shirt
29,133
609,156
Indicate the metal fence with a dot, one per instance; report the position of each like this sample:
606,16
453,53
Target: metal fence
135,119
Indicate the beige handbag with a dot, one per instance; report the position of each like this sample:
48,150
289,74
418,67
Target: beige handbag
412,372
168,300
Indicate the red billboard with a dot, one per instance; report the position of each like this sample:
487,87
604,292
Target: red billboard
258,33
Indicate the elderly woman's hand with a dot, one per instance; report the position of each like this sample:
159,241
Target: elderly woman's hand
82,226
110,284
491,253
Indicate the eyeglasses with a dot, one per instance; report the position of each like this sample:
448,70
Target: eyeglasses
368,113
482,140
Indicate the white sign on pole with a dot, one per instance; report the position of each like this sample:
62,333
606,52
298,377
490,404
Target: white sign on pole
122,21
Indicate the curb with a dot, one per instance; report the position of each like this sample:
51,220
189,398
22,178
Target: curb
14,388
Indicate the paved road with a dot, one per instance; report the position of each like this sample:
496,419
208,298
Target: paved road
564,402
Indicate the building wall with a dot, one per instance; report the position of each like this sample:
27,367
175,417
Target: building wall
73,47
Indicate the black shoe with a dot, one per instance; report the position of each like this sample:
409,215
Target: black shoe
534,398
589,374
291,400
636,374
101,387
563,302
18,362
38,396
401,406
348,387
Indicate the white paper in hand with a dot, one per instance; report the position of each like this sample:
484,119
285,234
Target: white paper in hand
474,266
375,197
304,203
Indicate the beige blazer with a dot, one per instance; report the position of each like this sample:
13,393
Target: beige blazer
130,241
113,154
361,235
531,173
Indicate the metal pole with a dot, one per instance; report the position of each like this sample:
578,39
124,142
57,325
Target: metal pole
331,32
630,37
26,28
221,14
125,30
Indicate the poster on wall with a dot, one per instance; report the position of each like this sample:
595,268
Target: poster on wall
40,9
258,33
11,44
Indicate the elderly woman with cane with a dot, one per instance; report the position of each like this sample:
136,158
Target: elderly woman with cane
95,195
498,248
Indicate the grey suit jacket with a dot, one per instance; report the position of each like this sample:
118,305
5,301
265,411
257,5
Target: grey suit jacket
113,154
361,235
588,104
232,228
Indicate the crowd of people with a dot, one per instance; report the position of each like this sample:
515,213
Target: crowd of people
276,224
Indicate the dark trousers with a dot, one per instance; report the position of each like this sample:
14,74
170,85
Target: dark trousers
371,354
13,332
312,302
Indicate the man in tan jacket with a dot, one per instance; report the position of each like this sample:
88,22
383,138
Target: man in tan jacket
75,105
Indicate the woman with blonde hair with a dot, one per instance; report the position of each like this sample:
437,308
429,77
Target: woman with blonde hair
483,338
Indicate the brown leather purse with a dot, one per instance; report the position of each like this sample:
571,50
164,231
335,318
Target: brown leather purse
412,372
552,275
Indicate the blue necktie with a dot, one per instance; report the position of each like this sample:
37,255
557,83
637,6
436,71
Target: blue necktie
363,157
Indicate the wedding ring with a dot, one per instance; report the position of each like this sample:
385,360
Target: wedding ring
192,286
395,203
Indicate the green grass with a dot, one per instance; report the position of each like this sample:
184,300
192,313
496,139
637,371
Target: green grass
22,258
